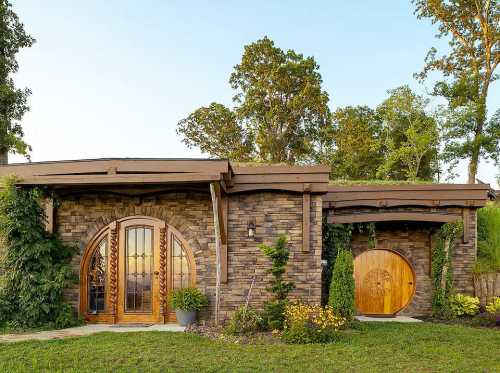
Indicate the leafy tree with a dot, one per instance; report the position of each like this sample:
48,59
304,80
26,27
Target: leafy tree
281,110
273,315
410,137
13,101
356,136
34,265
473,29
342,287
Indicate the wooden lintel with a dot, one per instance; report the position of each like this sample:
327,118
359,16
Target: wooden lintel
306,221
48,207
466,222
391,216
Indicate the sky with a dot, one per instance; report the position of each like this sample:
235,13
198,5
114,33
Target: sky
113,78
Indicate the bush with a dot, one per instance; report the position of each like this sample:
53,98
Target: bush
244,321
188,299
273,314
34,265
311,324
463,305
494,306
488,239
342,287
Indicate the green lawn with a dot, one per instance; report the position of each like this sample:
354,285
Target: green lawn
376,347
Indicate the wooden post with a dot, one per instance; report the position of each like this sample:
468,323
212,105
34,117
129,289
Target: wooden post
306,221
215,208
48,207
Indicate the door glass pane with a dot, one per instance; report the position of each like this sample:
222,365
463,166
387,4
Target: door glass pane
139,265
180,265
97,277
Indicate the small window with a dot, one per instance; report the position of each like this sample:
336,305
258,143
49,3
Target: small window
97,278
180,265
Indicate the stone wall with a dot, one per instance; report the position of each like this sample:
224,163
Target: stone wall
413,241
79,218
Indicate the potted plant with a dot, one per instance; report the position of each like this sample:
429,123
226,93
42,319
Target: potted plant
186,303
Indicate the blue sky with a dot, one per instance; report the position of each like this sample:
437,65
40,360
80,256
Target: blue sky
113,78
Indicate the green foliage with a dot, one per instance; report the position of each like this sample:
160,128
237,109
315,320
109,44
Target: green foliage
409,137
244,321
188,299
13,101
34,265
357,139
473,33
335,237
273,314
281,110
342,287
463,305
442,271
493,307
488,239
311,324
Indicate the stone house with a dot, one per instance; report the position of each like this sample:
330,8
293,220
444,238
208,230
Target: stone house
145,227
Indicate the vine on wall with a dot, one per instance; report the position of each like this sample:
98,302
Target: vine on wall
442,271
338,237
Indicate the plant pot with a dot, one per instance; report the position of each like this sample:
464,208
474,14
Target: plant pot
184,318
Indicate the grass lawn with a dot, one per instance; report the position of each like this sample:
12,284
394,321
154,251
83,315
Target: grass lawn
375,347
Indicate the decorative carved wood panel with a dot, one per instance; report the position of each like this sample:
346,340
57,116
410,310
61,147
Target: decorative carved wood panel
385,282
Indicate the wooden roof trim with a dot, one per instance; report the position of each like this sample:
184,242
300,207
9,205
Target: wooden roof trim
457,194
392,216
103,166
285,187
406,187
259,170
280,178
119,179
403,202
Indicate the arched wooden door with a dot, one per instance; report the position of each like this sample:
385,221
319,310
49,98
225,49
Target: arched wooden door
130,267
385,282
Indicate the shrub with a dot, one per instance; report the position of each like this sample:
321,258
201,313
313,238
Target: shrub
463,305
188,299
311,324
488,239
244,321
494,306
273,313
342,288
34,265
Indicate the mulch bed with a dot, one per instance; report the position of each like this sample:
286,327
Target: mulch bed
217,333
482,320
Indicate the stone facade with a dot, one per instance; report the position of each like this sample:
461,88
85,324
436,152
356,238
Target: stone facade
79,218
413,241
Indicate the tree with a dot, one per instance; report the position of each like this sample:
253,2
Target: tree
13,101
410,136
473,29
342,287
356,136
280,115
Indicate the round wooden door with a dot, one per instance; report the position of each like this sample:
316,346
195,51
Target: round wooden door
385,282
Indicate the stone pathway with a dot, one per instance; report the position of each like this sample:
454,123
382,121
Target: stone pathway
388,319
88,330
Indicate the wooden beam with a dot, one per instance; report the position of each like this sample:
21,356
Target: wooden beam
118,179
224,242
48,207
282,169
306,221
286,187
388,202
391,216
215,209
466,223
280,178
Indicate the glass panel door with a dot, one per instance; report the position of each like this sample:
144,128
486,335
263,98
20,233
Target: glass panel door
139,268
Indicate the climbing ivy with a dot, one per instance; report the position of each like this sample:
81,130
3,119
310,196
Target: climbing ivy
442,271
34,265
